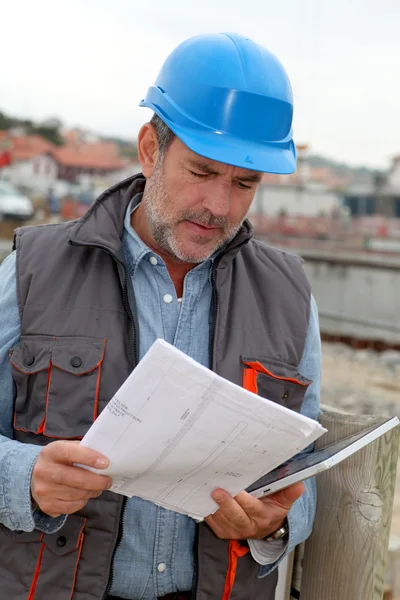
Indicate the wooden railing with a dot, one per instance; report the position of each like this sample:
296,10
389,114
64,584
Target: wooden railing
346,556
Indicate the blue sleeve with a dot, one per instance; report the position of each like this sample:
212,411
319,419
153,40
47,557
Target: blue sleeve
9,337
301,515
16,460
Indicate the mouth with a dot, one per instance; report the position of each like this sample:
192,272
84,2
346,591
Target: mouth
200,229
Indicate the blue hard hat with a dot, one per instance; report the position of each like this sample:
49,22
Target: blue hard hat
228,99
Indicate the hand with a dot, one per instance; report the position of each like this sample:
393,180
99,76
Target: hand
245,517
58,487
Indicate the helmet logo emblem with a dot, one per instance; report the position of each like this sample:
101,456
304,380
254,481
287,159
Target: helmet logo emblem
248,160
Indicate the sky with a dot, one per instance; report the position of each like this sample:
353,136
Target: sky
90,62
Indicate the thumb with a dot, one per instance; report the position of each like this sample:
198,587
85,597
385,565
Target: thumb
286,497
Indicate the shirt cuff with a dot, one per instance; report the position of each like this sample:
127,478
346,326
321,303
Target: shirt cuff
266,553
46,523
18,514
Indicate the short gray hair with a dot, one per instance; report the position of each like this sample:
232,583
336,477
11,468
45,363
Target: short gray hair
163,133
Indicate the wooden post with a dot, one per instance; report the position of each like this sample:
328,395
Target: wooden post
345,557
394,566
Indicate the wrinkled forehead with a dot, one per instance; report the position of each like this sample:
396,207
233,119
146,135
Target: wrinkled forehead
190,159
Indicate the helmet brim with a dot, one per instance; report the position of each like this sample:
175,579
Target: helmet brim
227,149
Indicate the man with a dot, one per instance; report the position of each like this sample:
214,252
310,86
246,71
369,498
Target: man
164,254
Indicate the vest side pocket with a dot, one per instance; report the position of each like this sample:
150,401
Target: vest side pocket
58,384
31,368
275,381
40,566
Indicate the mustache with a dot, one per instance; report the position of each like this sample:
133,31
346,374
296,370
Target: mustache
206,218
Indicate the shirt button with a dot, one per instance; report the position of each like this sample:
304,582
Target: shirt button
167,298
153,260
161,567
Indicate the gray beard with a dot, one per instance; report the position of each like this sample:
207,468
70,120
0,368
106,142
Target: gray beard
155,202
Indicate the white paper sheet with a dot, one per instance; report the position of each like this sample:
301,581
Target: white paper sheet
175,431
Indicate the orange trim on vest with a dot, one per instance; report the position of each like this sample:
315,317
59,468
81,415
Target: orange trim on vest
52,437
43,423
84,372
80,546
28,372
96,401
36,574
250,380
260,369
235,552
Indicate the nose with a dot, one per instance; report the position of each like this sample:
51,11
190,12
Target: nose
217,199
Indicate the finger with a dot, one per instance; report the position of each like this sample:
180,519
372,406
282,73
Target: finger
219,531
287,497
251,505
225,529
230,509
75,477
45,495
70,494
69,452
220,519
60,507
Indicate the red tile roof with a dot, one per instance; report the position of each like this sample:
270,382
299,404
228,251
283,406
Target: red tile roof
29,146
94,155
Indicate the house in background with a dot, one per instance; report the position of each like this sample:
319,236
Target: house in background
379,197
39,166
308,192
393,176
31,163
86,161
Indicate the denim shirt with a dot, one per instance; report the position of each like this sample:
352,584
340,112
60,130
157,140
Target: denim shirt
155,554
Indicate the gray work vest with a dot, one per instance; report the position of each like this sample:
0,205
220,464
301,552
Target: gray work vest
79,343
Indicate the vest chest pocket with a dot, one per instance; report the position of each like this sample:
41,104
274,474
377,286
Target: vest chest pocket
276,381
58,382
41,566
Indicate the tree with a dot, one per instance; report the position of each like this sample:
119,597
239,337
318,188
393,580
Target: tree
49,133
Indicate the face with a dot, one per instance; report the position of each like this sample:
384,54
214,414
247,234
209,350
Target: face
194,205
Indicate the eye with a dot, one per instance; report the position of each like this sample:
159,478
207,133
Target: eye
199,175
243,186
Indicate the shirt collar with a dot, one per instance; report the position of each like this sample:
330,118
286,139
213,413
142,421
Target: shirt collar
135,246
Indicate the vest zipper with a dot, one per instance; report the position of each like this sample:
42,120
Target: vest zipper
213,317
195,565
120,534
215,304
127,307
125,301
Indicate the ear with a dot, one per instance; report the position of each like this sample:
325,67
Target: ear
147,149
